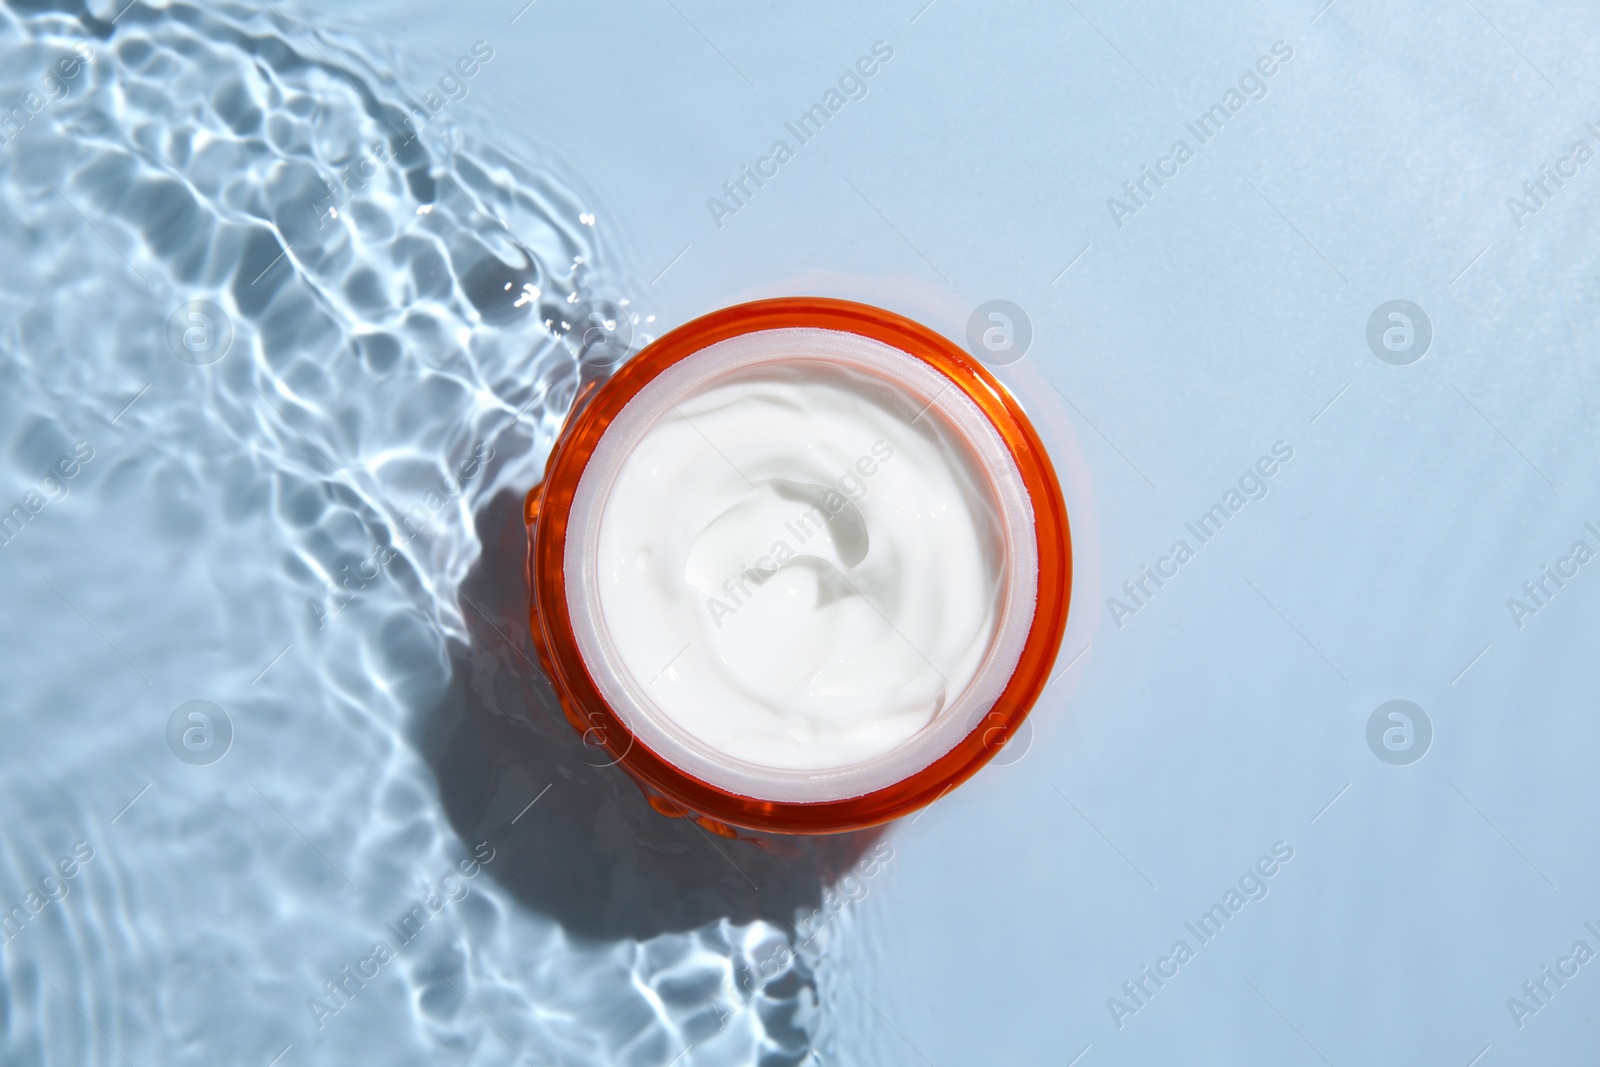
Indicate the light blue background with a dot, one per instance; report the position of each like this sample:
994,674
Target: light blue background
1195,336
1228,314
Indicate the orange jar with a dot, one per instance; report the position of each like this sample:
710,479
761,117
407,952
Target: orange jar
940,390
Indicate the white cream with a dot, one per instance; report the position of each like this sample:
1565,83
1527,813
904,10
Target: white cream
797,563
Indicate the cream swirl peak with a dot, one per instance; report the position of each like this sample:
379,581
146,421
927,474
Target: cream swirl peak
825,566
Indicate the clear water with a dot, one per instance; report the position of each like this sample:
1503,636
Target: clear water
315,528
397,369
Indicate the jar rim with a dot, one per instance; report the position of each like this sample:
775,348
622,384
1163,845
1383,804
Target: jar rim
581,695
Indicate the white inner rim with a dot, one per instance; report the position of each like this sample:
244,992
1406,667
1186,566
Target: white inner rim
928,392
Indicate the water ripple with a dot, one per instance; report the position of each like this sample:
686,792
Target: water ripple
283,528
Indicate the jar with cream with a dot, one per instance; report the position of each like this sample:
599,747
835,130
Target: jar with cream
801,565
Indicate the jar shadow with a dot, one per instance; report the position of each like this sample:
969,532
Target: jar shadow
575,841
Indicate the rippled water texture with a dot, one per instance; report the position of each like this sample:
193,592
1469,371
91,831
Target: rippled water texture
304,512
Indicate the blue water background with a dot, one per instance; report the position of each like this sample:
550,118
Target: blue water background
378,351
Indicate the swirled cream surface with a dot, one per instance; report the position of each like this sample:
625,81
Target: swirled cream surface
799,568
